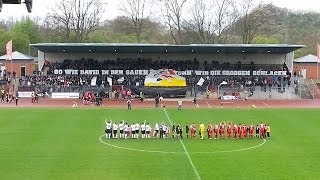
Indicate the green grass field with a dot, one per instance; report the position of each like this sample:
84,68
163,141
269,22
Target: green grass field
47,144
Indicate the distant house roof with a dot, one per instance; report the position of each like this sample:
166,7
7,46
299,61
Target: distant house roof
17,56
166,48
307,59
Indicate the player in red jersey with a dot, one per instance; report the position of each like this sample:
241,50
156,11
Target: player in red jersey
235,131
240,131
192,131
229,130
251,130
216,131
262,130
245,131
210,131
222,130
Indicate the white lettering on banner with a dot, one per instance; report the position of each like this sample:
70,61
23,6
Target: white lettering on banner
71,71
104,72
181,73
65,95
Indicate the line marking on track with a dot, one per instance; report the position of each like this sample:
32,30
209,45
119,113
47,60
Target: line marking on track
208,104
198,106
254,106
184,147
75,104
266,104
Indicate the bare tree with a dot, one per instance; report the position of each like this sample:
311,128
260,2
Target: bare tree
202,21
75,19
226,16
138,14
253,18
172,14
213,18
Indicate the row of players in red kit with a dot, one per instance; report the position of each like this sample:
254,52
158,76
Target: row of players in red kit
230,130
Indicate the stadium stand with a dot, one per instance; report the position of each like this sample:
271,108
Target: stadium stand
196,70
52,82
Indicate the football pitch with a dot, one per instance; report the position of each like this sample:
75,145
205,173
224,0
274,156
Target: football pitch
70,144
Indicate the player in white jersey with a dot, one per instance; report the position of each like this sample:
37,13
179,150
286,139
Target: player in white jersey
137,127
164,130
127,130
115,130
108,129
143,130
133,131
121,128
156,131
148,130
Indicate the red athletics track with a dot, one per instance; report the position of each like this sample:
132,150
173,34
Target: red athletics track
171,103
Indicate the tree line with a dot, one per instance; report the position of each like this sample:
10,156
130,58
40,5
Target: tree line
166,21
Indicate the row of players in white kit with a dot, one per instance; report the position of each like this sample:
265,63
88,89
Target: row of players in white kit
133,130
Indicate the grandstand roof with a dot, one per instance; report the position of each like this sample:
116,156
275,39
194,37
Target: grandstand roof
166,48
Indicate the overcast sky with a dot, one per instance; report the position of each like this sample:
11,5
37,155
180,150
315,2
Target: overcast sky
41,7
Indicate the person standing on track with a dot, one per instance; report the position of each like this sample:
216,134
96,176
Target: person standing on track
17,98
179,104
2,95
129,104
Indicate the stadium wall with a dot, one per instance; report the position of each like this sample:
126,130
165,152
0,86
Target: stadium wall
311,69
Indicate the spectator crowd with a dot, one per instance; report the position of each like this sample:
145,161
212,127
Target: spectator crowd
53,81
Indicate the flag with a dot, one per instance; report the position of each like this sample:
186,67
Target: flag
120,80
109,81
200,82
9,50
94,81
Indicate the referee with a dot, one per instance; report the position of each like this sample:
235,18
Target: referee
187,130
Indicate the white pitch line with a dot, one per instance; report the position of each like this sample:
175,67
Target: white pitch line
266,104
208,104
140,150
173,152
184,148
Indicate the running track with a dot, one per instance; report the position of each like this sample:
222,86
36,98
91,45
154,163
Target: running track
171,103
